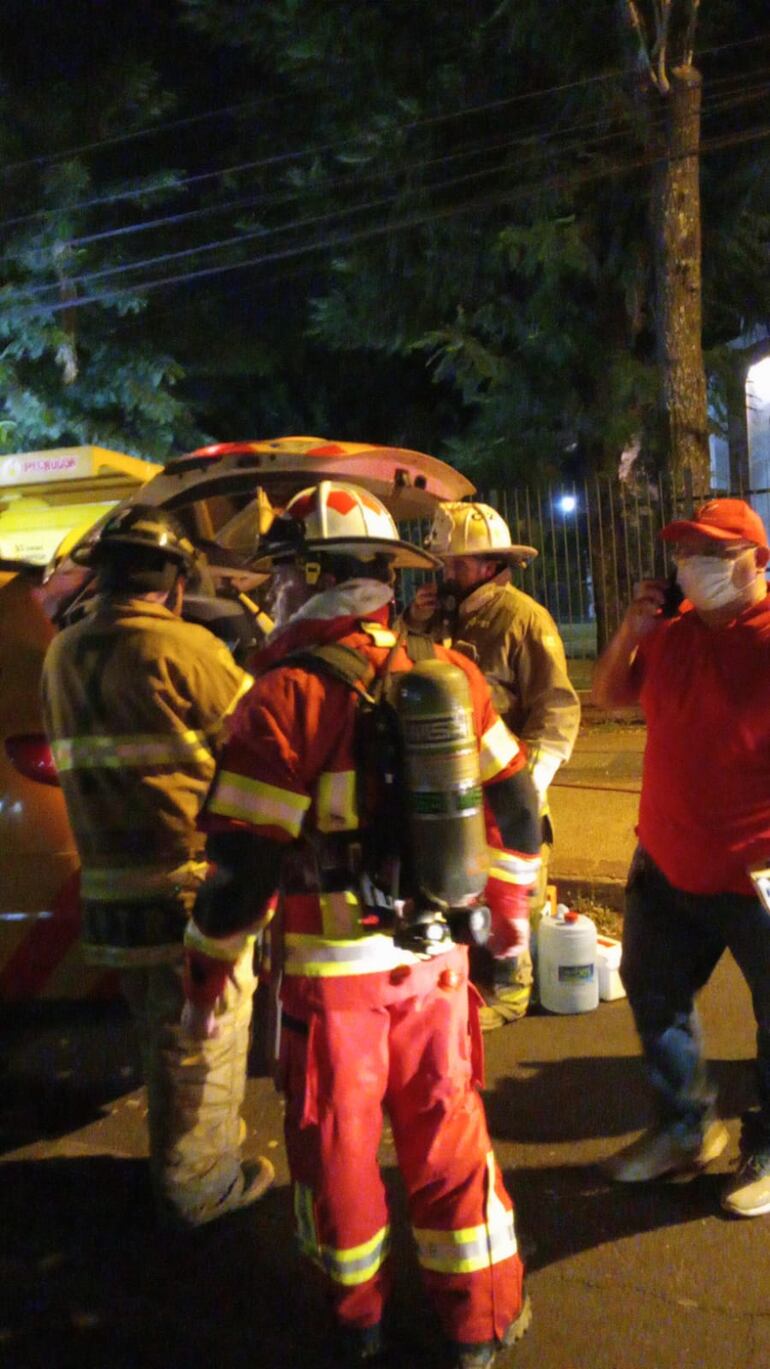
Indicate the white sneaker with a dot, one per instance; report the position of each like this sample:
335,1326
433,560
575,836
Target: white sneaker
747,1193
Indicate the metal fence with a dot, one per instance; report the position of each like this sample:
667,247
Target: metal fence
596,538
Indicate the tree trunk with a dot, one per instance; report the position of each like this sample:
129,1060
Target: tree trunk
675,212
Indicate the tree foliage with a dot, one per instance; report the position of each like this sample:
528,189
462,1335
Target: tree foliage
494,235
73,374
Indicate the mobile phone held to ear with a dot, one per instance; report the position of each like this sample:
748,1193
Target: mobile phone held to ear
672,596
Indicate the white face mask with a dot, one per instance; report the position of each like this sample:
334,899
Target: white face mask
710,582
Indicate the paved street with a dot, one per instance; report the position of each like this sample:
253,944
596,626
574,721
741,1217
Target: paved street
621,1278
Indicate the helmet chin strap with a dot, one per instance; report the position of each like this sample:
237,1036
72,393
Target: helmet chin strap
312,572
173,598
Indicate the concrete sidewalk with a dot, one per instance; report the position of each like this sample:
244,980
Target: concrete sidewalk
594,802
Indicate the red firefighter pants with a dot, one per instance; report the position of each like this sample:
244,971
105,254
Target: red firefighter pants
412,1056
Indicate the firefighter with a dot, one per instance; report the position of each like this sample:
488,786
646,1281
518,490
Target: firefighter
365,1023
134,700
516,644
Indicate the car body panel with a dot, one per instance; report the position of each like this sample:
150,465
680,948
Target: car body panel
38,866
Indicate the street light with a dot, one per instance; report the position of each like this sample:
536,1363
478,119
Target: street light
758,378
567,503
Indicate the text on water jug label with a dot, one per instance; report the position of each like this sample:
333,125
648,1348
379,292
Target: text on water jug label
571,974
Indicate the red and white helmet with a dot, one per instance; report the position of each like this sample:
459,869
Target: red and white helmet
341,519
472,529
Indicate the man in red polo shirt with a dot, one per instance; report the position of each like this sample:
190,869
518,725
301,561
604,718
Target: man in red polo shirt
704,822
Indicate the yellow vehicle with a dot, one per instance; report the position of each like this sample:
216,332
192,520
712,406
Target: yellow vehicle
44,495
225,496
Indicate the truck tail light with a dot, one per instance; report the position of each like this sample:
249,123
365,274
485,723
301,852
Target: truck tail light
31,755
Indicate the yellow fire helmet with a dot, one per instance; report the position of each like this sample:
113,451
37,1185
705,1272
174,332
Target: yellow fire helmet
141,526
470,529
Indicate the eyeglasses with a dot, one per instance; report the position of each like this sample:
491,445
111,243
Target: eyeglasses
718,551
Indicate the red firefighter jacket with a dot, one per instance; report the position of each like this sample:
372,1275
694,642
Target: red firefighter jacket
288,770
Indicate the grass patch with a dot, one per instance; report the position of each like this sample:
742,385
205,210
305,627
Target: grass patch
580,672
608,921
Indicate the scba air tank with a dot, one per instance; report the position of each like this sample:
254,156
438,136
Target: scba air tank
443,784
567,975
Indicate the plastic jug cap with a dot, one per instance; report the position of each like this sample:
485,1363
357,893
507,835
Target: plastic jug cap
571,915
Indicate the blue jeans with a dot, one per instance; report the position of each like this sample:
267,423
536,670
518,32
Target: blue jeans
672,942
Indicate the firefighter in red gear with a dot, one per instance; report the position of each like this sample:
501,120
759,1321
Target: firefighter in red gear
365,1023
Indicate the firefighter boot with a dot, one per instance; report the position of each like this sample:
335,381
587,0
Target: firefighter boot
507,998
254,1180
352,1346
483,1355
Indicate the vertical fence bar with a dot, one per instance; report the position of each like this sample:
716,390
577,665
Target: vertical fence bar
555,554
578,557
639,525
542,547
567,575
626,547
590,542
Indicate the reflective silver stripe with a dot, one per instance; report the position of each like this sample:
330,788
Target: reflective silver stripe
111,884
463,1252
336,801
139,749
358,1264
121,957
498,748
471,1248
260,804
512,868
318,957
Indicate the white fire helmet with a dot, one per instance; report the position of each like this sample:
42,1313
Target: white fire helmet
460,529
338,518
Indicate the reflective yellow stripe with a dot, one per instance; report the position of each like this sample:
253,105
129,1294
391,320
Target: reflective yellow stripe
262,805
381,636
341,915
320,958
223,948
358,1264
243,688
498,749
336,801
347,1266
112,884
474,1247
140,749
512,868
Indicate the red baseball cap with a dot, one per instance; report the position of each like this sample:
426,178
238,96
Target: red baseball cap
726,520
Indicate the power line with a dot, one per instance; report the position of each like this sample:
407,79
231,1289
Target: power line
719,102
429,121
88,277
410,221
152,131
227,110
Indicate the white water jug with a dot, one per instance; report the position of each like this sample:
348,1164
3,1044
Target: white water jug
568,979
